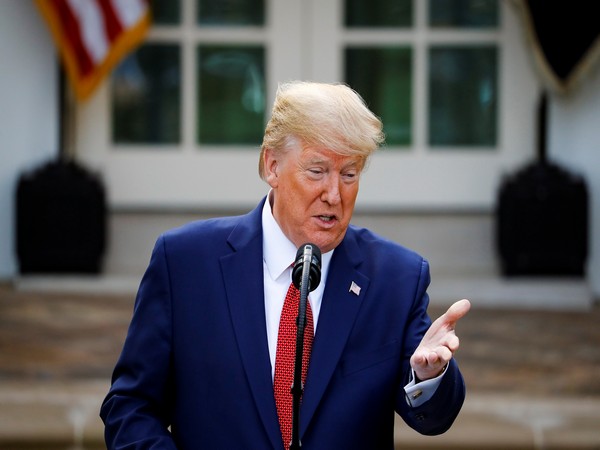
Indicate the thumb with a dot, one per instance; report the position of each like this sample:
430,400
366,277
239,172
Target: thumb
458,310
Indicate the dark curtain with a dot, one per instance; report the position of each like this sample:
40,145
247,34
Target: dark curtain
565,38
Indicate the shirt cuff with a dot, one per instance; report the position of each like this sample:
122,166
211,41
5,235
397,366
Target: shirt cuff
419,393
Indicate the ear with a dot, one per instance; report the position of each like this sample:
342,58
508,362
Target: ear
271,167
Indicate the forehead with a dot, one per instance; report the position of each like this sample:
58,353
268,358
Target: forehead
321,155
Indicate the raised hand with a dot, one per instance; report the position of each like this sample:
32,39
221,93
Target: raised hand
439,343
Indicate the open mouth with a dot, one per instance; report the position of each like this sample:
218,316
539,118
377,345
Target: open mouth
327,218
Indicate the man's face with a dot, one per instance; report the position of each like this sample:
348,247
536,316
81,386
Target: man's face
314,192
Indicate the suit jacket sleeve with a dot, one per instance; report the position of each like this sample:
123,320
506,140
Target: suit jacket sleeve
137,411
437,414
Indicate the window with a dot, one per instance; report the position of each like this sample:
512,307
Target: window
461,69
382,75
378,13
147,87
146,96
231,94
463,13
463,90
180,122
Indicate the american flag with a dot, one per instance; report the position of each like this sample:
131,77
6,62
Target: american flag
92,36
354,288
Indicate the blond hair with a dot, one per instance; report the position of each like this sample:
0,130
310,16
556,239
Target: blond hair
332,116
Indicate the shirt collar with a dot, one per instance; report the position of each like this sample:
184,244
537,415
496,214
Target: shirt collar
278,251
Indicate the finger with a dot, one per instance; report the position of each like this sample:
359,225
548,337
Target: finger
444,354
418,360
432,359
423,361
458,310
452,343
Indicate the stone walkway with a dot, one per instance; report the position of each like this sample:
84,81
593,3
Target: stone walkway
533,377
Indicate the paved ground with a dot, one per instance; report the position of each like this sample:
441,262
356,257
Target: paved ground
538,372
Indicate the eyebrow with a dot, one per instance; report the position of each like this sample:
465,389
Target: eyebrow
318,160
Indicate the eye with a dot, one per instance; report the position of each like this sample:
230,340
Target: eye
350,175
315,172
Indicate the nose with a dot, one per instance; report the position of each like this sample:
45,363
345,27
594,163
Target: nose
331,189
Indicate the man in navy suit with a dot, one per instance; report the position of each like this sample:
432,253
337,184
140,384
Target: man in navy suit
198,366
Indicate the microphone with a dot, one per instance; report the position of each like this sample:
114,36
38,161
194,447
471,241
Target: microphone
306,276
309,256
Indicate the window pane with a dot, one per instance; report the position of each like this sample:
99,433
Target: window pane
166,12
379,13
146,96
382,76
463,13
463,96
231,94
231,12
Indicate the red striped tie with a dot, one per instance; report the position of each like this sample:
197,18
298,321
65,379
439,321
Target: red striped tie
285,356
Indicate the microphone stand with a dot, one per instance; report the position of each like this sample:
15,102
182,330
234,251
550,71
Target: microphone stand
297,386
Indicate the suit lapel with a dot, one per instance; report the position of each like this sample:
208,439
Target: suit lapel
337,316
243,275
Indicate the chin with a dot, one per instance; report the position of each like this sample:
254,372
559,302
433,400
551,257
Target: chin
325,242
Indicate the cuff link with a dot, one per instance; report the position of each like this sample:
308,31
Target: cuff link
415,395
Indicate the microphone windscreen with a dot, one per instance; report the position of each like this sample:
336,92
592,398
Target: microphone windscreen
315,266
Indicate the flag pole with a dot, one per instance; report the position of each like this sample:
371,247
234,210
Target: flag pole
66,117
62,111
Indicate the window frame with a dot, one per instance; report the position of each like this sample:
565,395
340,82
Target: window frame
307,41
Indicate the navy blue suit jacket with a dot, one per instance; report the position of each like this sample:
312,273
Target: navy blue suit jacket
195,372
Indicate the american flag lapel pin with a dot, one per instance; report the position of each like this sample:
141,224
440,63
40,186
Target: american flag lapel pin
354,288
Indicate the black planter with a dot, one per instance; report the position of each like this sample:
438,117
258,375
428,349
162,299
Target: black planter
61,220
542,222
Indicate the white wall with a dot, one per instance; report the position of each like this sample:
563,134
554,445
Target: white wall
574,141
28,124
28,111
